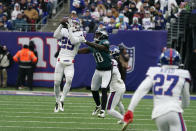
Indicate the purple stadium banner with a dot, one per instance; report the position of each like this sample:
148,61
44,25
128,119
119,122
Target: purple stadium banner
144,48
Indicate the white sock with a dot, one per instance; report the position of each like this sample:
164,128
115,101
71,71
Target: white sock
66,88
121,108
57,90
115,114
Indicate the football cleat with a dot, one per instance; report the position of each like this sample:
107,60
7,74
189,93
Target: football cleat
56,108
97,109
61,106
101,114
128,118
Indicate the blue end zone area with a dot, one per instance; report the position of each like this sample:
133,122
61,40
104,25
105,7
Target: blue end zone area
70,94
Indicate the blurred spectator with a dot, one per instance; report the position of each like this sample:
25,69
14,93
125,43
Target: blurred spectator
6,11
23,5
106,19
101,26
135,25
5,63
138,4
32,48
32,15
122,25
78,6
6,24
108,4
20,24
123,62
74,14
43,10
16,11
111,25
95,14
121,16
115,13
128,13
101,9
88,22
119,6
25,58
147,22
159,21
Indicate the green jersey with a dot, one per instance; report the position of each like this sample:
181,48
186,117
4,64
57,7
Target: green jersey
102,58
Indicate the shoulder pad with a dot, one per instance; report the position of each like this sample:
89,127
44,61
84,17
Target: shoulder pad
185,74
152,70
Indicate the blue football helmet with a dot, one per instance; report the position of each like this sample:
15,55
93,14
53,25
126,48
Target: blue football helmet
114,51
170,57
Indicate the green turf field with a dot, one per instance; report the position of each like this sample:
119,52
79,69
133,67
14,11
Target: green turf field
35,113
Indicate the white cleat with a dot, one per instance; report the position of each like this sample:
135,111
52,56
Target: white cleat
120,122
61,106
97,109
56,108
101,114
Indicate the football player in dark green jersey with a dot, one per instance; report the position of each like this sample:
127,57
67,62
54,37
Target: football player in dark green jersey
102,75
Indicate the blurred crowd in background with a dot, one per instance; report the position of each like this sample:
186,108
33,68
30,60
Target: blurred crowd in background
22,15
127,14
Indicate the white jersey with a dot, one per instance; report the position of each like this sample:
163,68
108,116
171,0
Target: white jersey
168,84
116,82
69,42
147,23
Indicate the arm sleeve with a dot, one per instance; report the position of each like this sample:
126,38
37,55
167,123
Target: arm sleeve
75,39
142,90
16,57
57,33
34,58
186,95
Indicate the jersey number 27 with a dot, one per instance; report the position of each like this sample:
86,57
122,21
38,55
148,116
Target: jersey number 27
157,88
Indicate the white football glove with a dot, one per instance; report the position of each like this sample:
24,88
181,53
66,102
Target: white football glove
82,39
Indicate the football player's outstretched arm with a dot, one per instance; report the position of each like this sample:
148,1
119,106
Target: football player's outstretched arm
186,95
142,90
84,51
57,33
97,46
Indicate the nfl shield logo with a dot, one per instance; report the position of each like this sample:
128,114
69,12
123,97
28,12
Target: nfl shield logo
131,63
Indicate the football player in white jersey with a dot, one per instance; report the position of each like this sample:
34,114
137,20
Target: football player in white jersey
168,84
69,38
117,88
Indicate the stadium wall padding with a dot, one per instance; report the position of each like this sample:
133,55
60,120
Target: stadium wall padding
144,48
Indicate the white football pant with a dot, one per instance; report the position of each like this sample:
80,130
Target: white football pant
68,70
171,121
100,79
115,99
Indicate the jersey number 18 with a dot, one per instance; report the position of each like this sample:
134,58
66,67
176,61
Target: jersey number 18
98,57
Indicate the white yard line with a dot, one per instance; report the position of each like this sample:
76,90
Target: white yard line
60,128
57,117
70,113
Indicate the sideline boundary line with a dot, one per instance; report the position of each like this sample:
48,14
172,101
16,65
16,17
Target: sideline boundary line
70,94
